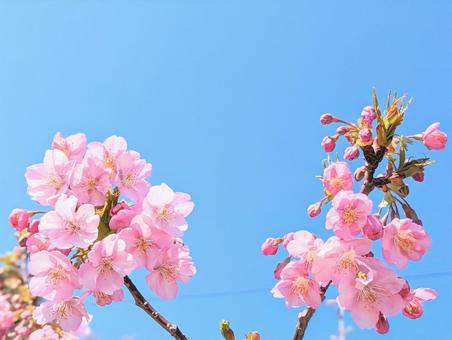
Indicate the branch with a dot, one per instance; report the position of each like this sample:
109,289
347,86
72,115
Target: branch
373,158
141,302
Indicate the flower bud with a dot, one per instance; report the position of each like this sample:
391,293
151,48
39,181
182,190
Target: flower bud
327,118
368,114
315,209
19,219
342,130
329,143
433,138
359,173
382,325
351,153
373,229
419,176
365,135
270,246
253,336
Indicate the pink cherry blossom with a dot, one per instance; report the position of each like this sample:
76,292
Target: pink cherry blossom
170,266
336,177
296,287
144,240
20,219
108,262
305,246
131,175
270,246
365,135
73,146
34,226
47,180
6,314
122,215
434,138
338,258
404,240
90,181
349,214
54,276
287,238
67,226
68,313
103,299
168,209
413,307
108,152
373,290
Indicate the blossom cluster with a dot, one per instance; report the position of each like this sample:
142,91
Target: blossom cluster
90,240
17,305
368,287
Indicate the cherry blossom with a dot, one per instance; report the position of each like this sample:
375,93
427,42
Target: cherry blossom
434,138
337,177
73,146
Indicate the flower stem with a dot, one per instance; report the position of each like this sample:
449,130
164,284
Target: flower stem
141,302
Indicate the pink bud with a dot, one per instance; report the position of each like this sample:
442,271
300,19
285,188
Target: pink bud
328,143
365,135
326,118
382,325
19,219
434,138
351,153
373,229
419,176
315,209
413,309
368,114
118,207
253,336
34,226
270,246
342,130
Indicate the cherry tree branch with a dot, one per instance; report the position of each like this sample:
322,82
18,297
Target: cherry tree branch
373,157
141,302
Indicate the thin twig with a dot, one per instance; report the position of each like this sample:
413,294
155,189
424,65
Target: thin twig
141,302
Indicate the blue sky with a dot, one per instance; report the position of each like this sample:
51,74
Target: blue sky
223,98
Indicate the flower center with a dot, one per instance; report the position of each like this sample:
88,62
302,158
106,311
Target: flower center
55,182
349,215
72,227
404,240
63,310
129,180
336,182
168,271
301,285
143,244
165,214
105,265
90,183
347,261
56,275
367,295
109,161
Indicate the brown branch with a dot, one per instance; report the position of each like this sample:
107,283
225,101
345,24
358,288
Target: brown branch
373,158
141,302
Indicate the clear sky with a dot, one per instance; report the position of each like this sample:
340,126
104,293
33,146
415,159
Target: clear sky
223,98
